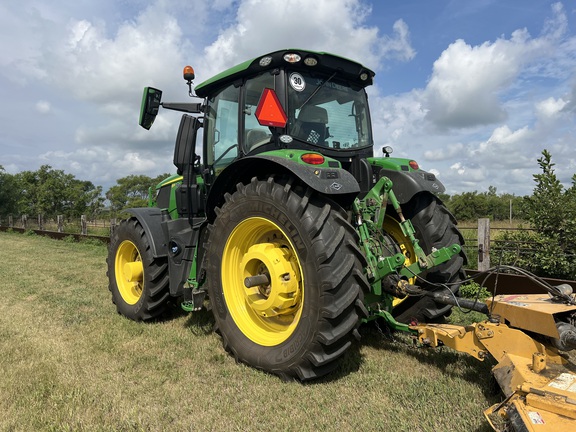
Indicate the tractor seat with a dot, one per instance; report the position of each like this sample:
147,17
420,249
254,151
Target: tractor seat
255,138
311,124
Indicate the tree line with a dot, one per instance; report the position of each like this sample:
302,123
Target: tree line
51,192
548,250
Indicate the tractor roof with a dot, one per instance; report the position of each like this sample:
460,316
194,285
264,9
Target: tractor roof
295,59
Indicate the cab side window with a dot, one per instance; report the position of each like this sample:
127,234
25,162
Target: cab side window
255,134
221,128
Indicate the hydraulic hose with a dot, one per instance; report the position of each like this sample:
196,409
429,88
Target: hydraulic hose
465,303
448,298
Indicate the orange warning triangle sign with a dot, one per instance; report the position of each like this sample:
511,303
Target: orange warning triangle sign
269,111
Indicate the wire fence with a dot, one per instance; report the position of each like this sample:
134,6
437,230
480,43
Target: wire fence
82,226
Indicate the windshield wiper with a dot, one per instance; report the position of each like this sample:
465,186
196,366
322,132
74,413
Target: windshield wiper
317,90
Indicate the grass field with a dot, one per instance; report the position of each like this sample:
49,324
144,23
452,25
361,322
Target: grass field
69,362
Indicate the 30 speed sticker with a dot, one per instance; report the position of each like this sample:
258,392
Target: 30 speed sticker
297,82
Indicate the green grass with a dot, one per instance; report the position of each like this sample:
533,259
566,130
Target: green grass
69,362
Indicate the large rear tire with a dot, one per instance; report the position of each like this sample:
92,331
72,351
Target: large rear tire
138,281
301,323
435,228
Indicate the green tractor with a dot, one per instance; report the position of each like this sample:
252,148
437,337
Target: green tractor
286,222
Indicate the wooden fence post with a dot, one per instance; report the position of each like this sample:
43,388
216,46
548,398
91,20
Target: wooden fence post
84,226
112,226
60,222
24,221
483,244
10,222
40,223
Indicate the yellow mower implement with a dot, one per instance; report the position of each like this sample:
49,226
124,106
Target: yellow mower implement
522,334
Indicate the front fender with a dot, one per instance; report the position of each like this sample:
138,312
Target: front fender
334,181
151,220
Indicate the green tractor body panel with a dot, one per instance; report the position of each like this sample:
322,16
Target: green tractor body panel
327,178
275,59
163,194
407,180
391,163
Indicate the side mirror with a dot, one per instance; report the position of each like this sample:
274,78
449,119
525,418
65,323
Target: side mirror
149,107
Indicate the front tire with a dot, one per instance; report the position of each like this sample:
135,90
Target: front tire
138,281
300,323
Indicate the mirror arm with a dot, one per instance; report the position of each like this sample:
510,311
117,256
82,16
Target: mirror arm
193,108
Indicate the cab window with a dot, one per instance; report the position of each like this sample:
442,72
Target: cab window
327,113
221,128
255,134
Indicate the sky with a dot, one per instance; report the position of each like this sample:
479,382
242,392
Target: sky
472,90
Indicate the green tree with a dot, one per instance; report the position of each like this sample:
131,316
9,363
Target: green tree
131,191
473,205
9,192
52,192
549,207
468,206
551,210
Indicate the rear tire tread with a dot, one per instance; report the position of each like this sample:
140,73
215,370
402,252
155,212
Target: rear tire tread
339,264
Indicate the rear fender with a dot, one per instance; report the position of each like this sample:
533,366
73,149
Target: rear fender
407,181
408,184
335,182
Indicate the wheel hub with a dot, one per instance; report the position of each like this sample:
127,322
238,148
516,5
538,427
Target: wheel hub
133,271
282,293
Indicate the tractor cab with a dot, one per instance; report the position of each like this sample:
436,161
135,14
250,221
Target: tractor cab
289,99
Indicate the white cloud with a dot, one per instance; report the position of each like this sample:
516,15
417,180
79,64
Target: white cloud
445,153
469,175
488,110
338,26
571,103
467,81
550,107
395,118
503,138
106,164
106,70
43,107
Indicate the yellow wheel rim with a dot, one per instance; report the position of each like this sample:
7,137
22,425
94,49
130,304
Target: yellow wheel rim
392,227
129,272
266,314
